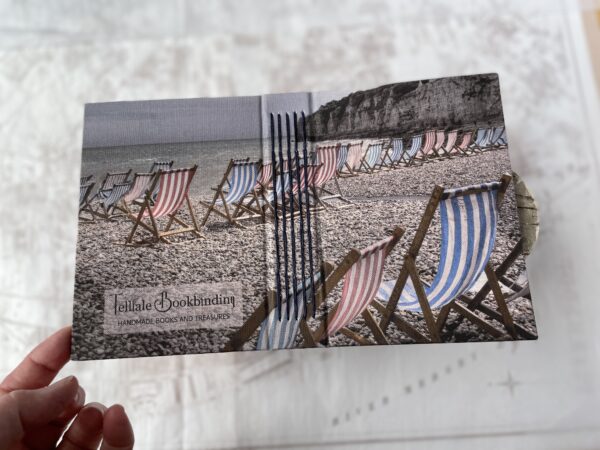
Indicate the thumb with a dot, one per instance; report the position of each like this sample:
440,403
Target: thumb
21,408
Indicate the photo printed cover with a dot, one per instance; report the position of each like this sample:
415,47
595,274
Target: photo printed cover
282,221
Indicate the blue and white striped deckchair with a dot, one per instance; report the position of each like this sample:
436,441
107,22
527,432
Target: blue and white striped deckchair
409,153
342,157
237,184
109,181
468,219
481,137
275,333
393,153
112,199
496,135
371,161
502,139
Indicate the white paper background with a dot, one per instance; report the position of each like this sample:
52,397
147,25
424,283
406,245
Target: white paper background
57,55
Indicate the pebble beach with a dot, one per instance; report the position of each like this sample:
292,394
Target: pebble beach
379,203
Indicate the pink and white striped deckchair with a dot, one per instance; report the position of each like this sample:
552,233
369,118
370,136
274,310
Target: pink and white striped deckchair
464,144
440,138
327,156
449,147
137,190
362,272
174,186
355,153
428,144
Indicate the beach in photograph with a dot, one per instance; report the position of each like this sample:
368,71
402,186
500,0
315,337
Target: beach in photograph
379,202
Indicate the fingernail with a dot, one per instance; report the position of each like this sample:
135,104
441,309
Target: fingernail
64,383
99,406
80,397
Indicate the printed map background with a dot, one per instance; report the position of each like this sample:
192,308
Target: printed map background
57,55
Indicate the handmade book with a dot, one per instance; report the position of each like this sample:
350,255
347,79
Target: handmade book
286,221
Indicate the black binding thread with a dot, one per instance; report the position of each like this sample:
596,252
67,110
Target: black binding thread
308,214
292,218
284,219
301,214
306,245
276,219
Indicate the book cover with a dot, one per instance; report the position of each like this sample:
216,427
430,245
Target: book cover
283,221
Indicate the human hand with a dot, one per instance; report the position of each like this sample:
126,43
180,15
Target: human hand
34,413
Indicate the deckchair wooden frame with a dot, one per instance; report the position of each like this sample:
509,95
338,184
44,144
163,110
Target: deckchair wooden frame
152,227
323,195
475,303
86,205
237,208
387,163
409,269
104,187
364,165
405,157
254,321
108,212
123,206
351,171
330,284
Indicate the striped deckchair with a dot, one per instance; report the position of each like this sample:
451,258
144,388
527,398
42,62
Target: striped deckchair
449,147
173,193
409,153
138,186
362,272
482,139
85,180
495,140
468,218
328,158
464,144
440,138
238,183
109,181
161,165
342,158
355,154
428,144
514,289
84,202
110,202
502,141
275,332
393,152
371,160
307,176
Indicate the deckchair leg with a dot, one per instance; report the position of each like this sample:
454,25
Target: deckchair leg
374,327
474,318
400,323
499,297
424,303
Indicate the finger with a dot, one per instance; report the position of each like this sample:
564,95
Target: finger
46,436
117,431
85,432
40,367
45,405
21,409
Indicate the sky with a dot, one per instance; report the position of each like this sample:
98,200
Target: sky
118,124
